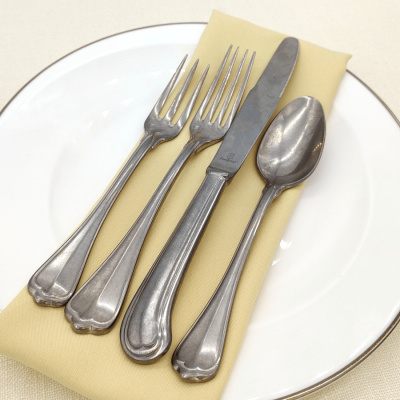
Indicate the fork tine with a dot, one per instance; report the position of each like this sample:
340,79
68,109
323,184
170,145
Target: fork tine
177,101
231,89
222,88
213,85
189,107
160,102
240,94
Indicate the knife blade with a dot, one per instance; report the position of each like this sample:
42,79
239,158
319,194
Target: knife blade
146,328
257,109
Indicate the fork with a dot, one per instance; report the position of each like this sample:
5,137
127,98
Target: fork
96,305
55,281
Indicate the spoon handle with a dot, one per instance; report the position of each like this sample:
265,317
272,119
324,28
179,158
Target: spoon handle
146,328
55,281
198,355
96,305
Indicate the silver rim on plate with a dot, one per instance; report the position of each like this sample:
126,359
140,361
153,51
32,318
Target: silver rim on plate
325,382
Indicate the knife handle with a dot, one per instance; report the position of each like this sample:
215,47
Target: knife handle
198,355
55,281
146,328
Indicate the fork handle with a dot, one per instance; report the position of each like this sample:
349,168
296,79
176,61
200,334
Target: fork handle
198,355
55,281
96,305
146,328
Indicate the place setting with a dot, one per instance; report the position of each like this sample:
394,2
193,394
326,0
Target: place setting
206,208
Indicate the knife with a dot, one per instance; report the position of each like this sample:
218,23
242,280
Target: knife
146,328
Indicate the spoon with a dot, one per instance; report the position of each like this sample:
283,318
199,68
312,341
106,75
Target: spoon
288,154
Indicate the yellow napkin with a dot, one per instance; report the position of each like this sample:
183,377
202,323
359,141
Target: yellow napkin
96,366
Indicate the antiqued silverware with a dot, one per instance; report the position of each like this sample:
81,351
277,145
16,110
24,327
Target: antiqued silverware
288,154
96,305
55,281
146,328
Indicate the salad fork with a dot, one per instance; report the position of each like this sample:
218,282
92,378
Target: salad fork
96,305
55,281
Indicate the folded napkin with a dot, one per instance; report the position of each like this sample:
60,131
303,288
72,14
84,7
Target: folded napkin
96,366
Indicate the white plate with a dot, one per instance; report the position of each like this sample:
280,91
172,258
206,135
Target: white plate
332,294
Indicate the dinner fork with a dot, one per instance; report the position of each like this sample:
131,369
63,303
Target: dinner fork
55,281
96,305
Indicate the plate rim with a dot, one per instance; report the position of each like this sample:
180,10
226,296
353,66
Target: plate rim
362,357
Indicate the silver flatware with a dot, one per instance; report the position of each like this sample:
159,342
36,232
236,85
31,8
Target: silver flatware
288,154
146,328
55,281
96,305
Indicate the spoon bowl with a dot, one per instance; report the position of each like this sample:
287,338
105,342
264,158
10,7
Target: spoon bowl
293,143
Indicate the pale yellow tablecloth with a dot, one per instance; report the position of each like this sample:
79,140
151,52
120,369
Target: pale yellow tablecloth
367,29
